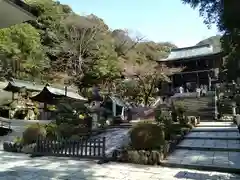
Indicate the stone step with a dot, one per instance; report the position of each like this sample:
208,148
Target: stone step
215,129
210,145
204,160
216,124
213,138
214,135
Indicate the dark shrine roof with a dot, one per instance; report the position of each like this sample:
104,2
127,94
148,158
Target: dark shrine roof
51,94
15,85
190,52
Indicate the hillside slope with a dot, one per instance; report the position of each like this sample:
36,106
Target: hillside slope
215,41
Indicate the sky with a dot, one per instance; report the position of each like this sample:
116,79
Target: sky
159,21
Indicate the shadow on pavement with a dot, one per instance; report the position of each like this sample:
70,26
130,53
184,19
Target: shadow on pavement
200,175
17,166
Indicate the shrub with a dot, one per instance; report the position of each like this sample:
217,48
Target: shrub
18,140
52,131
141,157
31,134
147,136
158,114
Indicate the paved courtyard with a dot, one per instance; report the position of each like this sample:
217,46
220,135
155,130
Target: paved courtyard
21,167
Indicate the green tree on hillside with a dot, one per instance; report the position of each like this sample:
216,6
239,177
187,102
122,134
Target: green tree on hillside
62,47
226,14
23,55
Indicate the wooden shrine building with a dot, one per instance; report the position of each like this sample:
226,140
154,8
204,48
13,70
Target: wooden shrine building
200,65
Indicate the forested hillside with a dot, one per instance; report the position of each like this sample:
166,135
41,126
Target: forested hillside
63,47
215,41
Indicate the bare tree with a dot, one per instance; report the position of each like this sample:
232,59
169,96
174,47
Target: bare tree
124,41
147,76
75,51
78,46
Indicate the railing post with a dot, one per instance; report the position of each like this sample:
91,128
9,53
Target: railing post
104,148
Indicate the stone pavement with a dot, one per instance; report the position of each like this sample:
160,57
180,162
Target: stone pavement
21,167
209,150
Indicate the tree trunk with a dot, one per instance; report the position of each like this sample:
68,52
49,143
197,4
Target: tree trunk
146,98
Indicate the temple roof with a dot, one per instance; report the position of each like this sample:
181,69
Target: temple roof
190,52
51,94
15,85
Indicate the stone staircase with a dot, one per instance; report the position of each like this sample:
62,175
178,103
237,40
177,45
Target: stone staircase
203,106
211,146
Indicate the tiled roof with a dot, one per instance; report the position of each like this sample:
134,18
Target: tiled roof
51,94
61,92
190,52
15,85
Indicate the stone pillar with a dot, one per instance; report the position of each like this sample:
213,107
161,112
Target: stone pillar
95,117
113,109
234,109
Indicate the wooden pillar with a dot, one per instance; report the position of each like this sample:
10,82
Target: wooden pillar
215,106
65,92
182,78
172,81
209,82
197,80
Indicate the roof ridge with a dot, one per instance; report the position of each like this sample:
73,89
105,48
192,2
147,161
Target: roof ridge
190,47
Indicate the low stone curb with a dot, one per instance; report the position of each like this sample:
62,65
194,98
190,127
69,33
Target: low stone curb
202,167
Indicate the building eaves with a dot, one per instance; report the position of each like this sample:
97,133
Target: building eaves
190,52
